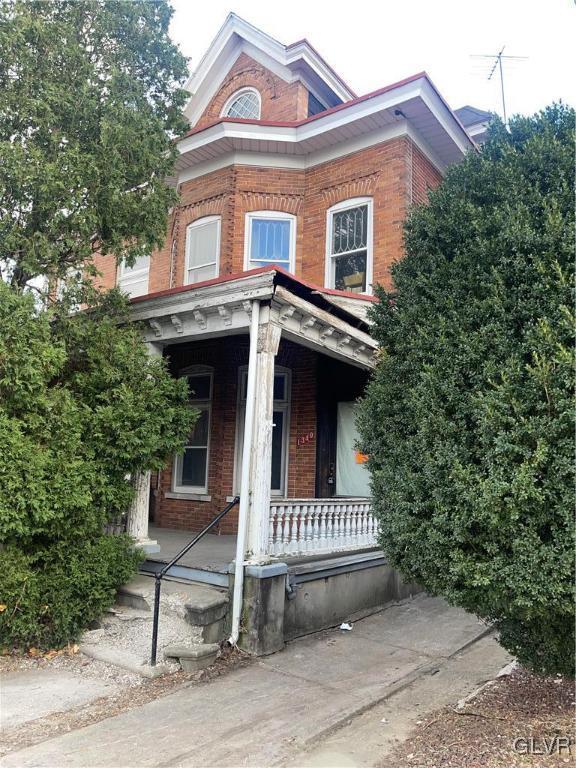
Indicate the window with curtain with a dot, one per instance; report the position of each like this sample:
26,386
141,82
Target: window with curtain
202,249
270,240
191,468
349,258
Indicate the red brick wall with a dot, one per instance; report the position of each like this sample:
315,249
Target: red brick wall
379,172
394,173
226,356
425,176
280,101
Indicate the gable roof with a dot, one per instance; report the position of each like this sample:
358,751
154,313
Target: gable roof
471,115
298,61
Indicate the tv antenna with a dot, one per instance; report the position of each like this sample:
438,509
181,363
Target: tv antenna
497,65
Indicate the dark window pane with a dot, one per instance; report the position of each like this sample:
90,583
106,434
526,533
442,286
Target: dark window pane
350,272
199,436
350,229
199,387
279,386
277,440
194,467
314,106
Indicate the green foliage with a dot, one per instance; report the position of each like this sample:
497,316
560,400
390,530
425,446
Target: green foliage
469,417
82,405
89,107
53,595
90,104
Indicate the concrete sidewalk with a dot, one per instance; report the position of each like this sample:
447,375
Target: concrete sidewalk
274,709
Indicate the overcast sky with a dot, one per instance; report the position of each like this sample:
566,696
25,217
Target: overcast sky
372,44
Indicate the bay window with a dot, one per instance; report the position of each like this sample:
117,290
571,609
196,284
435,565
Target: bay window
349,246
270,240
202,250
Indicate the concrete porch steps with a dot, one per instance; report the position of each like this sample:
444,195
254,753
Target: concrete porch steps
201,605
192,623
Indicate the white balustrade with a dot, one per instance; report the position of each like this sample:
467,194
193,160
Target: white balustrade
310,526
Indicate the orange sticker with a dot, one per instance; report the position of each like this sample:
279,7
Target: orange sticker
361,458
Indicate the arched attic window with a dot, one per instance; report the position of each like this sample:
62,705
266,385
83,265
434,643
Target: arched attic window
245,104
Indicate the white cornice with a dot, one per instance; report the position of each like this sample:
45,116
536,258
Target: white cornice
417,101
301,162
224,308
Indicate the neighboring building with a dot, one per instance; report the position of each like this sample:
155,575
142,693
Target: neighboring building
293,194
476,121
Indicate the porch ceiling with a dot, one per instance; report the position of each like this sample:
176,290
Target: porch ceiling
224,308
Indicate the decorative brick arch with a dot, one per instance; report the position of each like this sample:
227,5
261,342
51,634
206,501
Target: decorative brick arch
280,99
262,201
362,186
249,76
210,206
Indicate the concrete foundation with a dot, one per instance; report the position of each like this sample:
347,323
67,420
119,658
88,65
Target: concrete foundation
262,625
326,593
283,602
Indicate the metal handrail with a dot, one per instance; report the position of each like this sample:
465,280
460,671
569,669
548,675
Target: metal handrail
161,573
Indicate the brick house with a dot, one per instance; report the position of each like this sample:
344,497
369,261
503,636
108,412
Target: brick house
293,193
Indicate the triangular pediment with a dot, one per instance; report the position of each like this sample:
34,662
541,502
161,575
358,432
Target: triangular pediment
298,61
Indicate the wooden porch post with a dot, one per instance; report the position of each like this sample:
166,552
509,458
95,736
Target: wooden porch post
261,451
138,512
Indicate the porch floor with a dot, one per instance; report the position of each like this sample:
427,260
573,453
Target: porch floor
212,553
215,552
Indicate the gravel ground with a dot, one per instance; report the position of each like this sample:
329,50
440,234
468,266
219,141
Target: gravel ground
483,732
72,661
130,630
134,691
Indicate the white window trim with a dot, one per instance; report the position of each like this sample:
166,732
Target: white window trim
237,94
342,206
195,370
196,224
286,407
269,215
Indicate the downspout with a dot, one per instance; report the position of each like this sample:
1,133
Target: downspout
245,477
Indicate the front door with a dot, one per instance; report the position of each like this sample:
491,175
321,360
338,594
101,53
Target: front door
280,430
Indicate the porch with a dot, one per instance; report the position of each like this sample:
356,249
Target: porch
274,368
300,531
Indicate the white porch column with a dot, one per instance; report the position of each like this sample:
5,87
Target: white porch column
137,522
261,450
139,510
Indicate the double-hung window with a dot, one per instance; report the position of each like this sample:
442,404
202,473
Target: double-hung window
191,467
134,280
349,246
270,240
202,249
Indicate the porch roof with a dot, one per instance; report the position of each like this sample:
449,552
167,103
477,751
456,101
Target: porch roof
332,322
